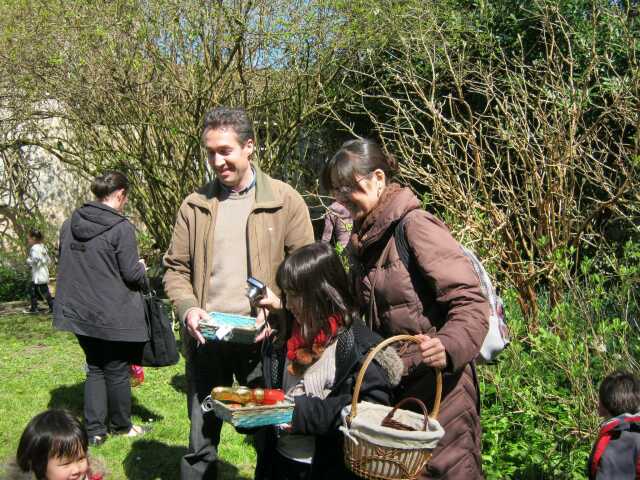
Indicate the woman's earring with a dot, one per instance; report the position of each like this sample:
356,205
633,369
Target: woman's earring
379,190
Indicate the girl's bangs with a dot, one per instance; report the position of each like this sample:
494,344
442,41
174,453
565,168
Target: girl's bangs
69,447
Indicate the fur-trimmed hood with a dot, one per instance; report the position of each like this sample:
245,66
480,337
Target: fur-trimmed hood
391,363
355,343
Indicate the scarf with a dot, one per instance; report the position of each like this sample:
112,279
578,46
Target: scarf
302,355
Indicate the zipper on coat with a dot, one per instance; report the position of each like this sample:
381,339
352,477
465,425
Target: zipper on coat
254,310
205,290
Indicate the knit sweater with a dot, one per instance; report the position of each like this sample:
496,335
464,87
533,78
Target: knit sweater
317,381
228,281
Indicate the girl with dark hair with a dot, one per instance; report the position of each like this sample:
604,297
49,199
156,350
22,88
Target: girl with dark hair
98,299
54,446
315,355
438,296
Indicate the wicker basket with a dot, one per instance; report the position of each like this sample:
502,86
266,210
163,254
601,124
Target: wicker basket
243,329
250,417
382,462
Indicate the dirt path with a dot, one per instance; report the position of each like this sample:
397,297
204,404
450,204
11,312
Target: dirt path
8,308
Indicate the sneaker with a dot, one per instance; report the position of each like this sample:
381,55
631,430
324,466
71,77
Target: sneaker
134,431
28,310
97,440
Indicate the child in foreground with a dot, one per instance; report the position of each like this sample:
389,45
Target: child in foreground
616,453
314,357
54,446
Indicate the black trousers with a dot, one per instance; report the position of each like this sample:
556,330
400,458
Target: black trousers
107,389
40,290
210,365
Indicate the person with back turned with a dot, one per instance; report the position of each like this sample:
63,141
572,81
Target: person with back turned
100,276
616,452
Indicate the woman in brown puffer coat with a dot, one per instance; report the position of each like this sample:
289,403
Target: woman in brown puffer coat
440,299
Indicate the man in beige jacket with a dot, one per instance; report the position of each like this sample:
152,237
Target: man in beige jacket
242,224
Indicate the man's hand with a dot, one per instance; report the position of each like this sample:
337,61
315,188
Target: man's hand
433,352
192,322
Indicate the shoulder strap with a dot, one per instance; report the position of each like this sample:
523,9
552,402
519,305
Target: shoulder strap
402,245
598,451
404,251
486,285
601,445
373,307
606,434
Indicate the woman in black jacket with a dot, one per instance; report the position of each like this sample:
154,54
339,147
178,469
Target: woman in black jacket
98,299
317,365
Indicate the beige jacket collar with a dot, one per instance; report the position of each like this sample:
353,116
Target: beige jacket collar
207,195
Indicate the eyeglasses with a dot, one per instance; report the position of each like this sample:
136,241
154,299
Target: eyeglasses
345,190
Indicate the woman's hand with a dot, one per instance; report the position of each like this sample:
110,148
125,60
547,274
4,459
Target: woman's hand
270,301
433,352
285,427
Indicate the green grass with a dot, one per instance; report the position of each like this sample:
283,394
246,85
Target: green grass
42,368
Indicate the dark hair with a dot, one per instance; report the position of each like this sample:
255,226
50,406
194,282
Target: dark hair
315,273
36,234
50,434
620,393
356,158
107,183
224,117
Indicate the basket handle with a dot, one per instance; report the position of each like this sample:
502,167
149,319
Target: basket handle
369,359
388,421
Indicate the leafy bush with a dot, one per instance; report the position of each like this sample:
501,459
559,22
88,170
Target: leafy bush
14,283
519,120
539,403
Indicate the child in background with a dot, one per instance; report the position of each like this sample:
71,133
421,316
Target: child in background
337,225
53,446
616,453
316,365
38,260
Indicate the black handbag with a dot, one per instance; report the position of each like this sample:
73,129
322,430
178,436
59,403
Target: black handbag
161,350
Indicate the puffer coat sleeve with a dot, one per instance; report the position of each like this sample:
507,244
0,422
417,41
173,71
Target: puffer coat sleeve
455,284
